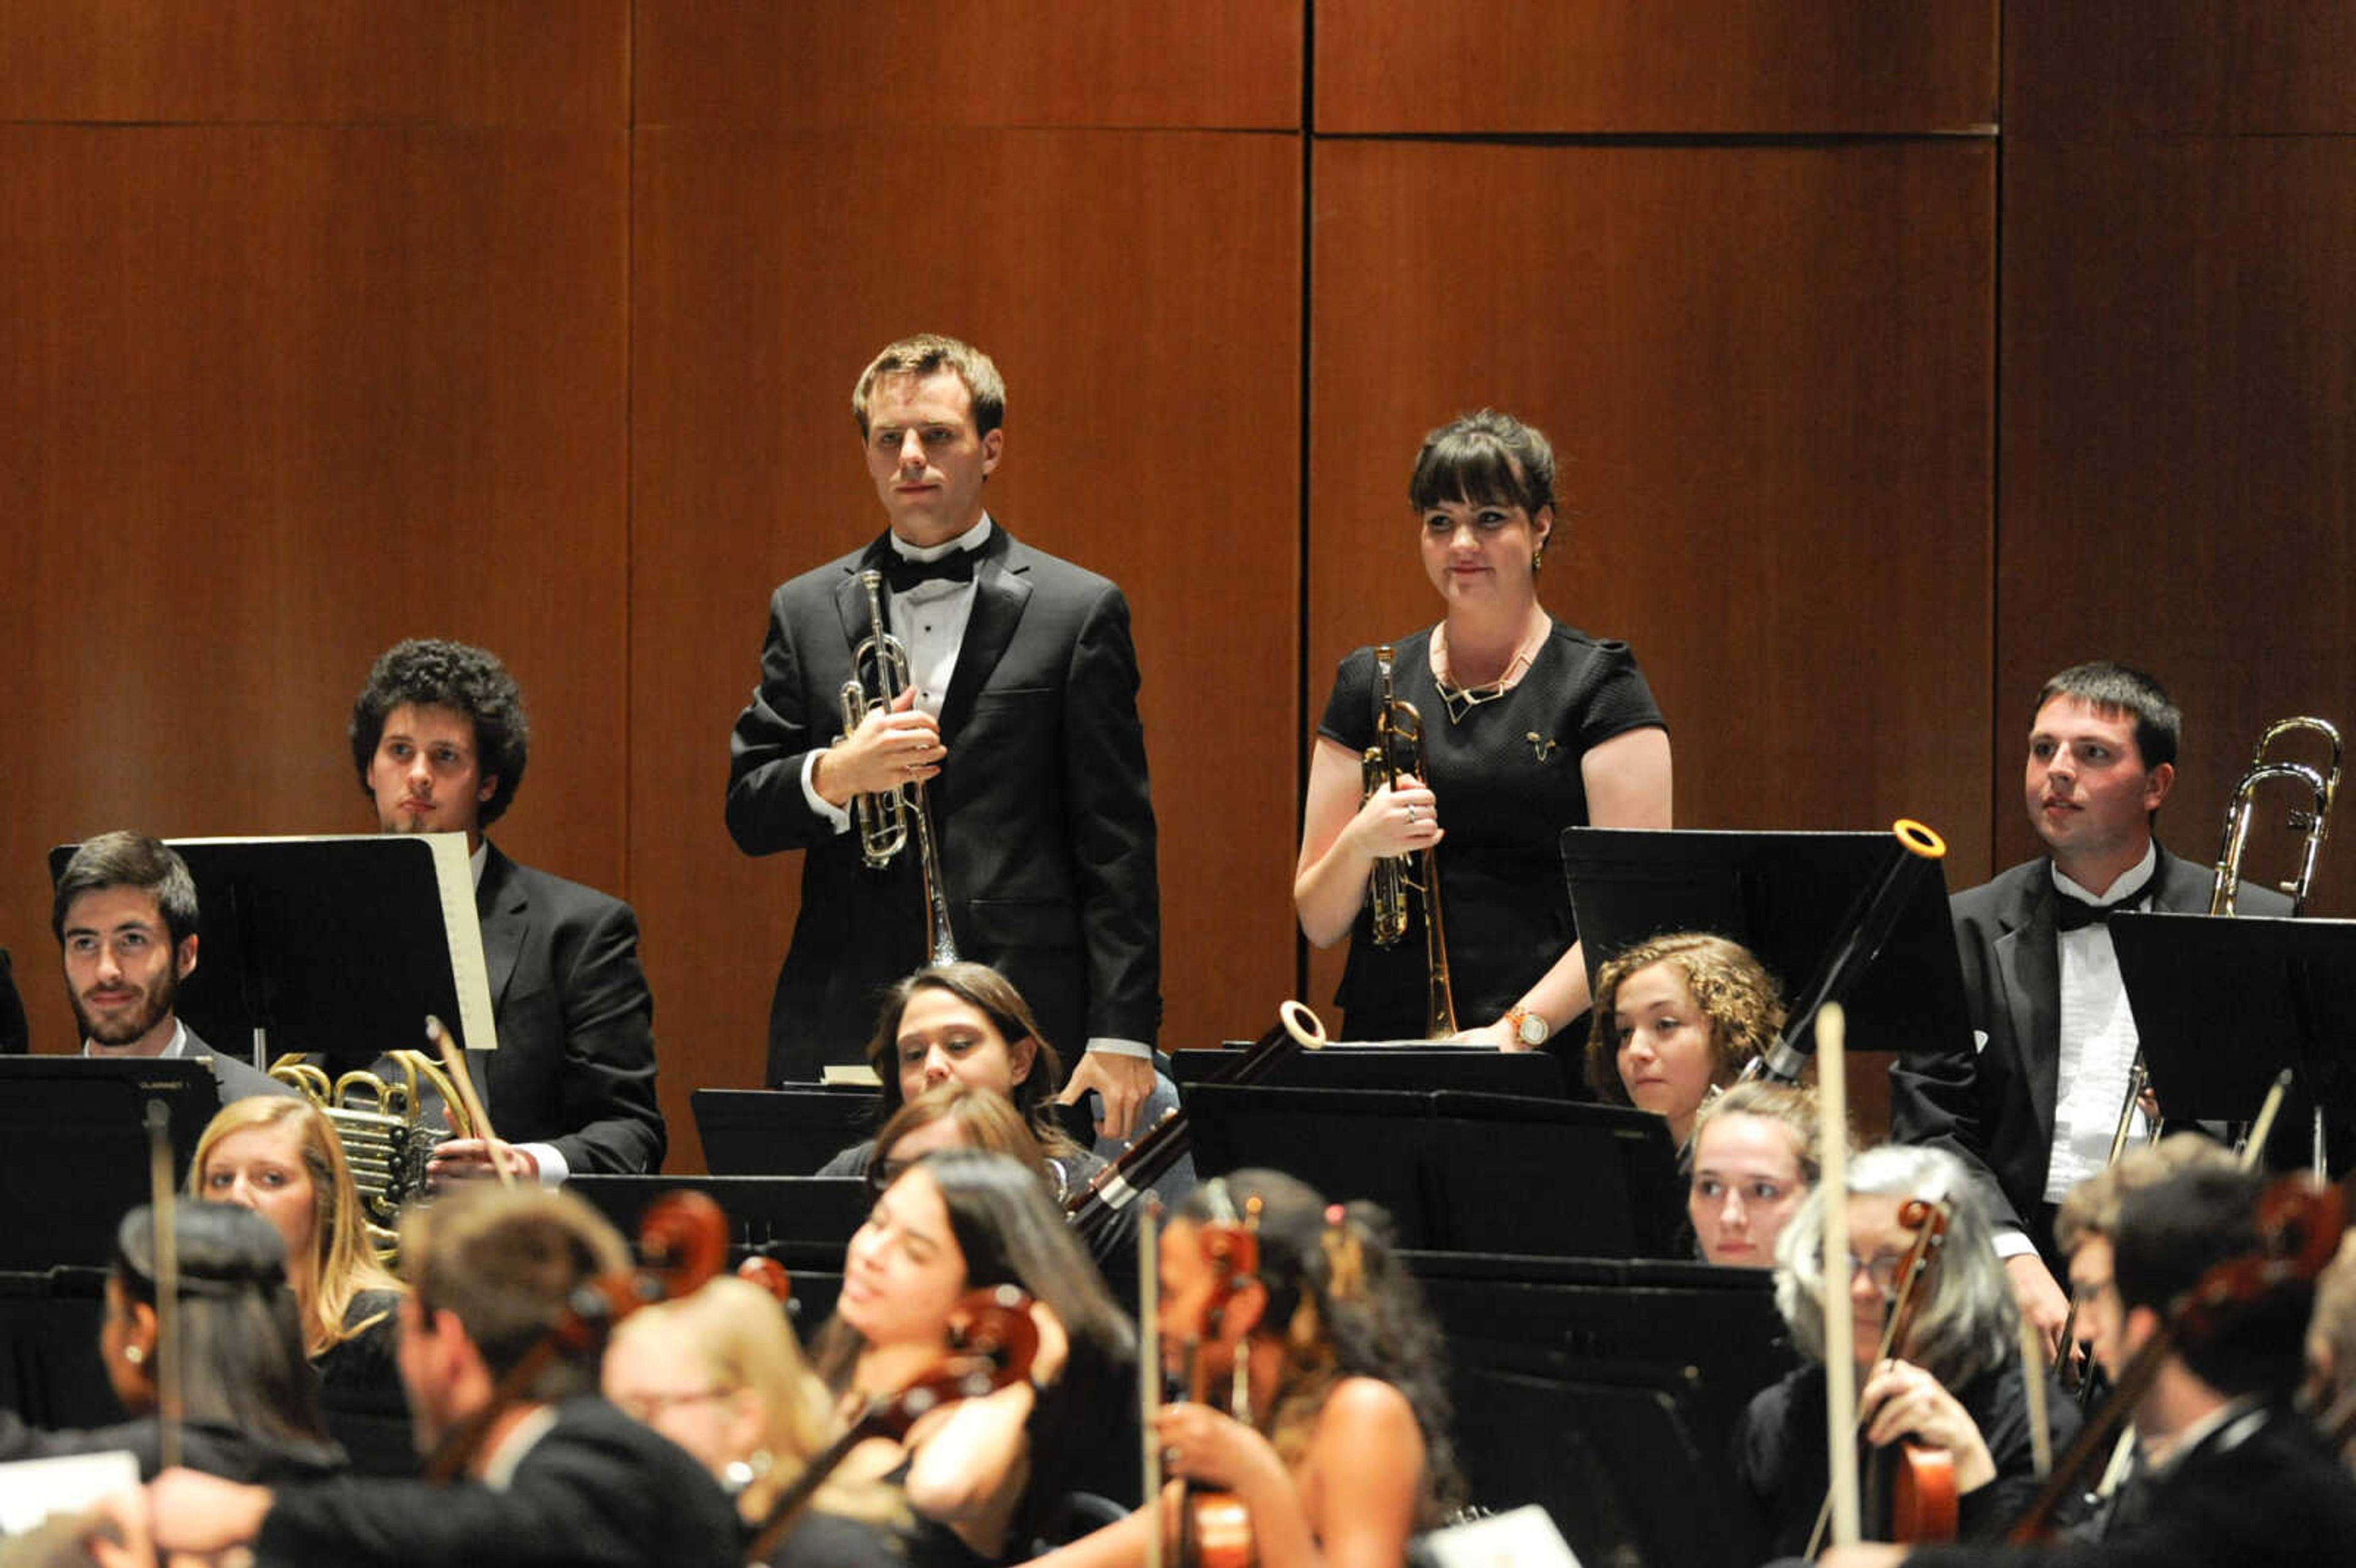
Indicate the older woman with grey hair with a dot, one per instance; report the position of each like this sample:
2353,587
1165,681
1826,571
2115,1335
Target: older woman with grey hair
1953,1382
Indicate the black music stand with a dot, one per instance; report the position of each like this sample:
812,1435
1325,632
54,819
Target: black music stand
1482,1173
74,1149
1792,900
338,945
1423,1065
781,1132
2222,1007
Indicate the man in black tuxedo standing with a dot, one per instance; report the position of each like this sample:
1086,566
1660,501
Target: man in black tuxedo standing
2032,1107
1019,719
439,737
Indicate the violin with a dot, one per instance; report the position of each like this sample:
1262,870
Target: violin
2299,1226
1095,1210
992,1341
1912,1484
1212,1528
683,1241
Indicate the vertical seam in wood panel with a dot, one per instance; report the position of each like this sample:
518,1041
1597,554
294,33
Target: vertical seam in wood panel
629,439
1300,754
1995,774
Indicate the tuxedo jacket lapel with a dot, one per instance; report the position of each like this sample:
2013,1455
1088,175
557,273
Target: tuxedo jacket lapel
2033,964
503,909
1001,587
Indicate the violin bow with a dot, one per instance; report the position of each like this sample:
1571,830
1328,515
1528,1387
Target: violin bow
453,1061
171,1407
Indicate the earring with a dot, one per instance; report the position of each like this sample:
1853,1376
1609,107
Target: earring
134,1354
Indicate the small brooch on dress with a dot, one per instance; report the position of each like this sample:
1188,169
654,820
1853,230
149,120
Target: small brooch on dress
1542,747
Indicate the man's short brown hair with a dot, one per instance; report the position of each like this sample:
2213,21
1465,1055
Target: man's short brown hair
927,353
507,1260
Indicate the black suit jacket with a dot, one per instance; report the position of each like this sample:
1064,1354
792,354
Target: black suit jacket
575,1063
238,1077
598,1490
2276,1500
1044,818
1994,1107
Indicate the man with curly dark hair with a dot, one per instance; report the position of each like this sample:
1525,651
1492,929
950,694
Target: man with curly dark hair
439,738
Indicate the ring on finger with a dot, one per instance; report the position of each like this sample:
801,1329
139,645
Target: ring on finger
1410,816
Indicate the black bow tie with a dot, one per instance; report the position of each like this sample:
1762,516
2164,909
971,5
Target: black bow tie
902,574
2076,914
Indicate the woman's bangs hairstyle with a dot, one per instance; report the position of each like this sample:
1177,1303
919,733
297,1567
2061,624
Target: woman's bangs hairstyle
1733,988
1969,1324
993,994
1484,459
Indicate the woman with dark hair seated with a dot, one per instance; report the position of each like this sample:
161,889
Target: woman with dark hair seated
981,1476
1328,1418
966,1023
249,1402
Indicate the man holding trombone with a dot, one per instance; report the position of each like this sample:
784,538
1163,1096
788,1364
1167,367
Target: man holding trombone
2034,1108
981,791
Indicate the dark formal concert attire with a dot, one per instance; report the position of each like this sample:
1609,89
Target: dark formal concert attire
1993,1106
1784,1471
360,1391
238,1077
2258,1492
575,1063
14,1037
215,1448
595,1491
1508,780
1046,823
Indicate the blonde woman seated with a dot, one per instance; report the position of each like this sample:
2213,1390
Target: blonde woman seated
1757,1154
718,1373
281,1157
1328,1414
1675,1020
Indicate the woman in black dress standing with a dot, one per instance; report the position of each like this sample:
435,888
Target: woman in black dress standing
1529,727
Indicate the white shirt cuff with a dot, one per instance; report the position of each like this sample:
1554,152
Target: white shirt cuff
553,1169
1134,1048
819,802
2012,1243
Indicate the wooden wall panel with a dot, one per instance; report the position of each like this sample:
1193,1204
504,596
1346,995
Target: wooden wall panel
1768,375
274,398
1622,67
2139,67
1140,292
2179,454
897,64
466,63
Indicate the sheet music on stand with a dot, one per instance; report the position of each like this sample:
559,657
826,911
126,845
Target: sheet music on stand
339,943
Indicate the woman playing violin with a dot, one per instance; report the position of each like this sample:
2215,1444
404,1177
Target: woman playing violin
1952,1382
1342,1451
979,1474
1529,727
